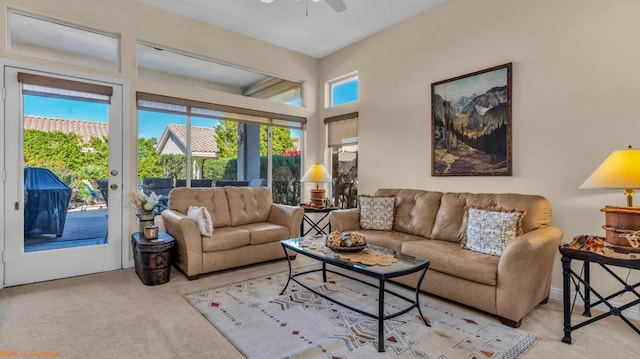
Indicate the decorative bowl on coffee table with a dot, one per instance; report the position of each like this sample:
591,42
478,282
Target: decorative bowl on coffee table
354,248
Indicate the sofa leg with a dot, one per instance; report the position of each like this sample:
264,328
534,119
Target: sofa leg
545,300
511,323
193,277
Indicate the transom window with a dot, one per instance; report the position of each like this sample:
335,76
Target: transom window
343,90
58,41
164,64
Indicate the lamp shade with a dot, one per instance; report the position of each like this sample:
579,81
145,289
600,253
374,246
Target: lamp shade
317,173
620,170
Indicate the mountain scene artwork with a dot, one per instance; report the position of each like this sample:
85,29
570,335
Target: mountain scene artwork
471,124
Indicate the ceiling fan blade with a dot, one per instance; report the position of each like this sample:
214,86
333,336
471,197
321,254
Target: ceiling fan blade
337,5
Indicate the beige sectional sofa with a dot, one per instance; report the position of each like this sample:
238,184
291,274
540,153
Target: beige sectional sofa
432,225
248,228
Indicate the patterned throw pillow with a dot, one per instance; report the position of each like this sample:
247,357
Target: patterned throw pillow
490,230
377,212
202,218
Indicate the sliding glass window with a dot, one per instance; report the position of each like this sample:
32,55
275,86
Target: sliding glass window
196,144
343,143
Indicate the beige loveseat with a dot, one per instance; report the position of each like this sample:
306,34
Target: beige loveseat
432,224
248,228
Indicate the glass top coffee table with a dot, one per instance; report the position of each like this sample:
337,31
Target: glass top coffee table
314,247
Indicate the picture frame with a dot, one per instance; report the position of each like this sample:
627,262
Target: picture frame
471,124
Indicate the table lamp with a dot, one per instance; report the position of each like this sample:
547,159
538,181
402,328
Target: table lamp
318,174
621,170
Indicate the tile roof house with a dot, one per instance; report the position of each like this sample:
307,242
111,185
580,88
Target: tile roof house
174,141
86,129
203,144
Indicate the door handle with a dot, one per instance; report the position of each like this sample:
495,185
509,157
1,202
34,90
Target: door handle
114,186
114,172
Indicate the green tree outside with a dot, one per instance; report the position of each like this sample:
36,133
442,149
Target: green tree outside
72,160
227,139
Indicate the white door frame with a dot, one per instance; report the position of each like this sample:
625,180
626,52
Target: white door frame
123,211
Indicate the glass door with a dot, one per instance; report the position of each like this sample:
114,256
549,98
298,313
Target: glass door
63,156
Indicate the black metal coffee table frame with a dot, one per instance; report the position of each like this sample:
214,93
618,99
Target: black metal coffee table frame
362,269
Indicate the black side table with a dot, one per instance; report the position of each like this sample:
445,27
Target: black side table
314,222
591,249
152,257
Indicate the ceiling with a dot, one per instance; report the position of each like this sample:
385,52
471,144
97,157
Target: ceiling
308,27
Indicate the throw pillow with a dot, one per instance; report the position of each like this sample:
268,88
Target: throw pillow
490,230
202,218
376,212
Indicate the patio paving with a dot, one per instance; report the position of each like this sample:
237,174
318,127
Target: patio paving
82,228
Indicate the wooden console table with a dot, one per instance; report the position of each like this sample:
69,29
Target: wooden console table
592,249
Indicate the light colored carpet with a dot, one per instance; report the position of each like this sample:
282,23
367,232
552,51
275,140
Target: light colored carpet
113,315
301,324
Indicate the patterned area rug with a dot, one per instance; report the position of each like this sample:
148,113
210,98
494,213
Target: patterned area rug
300,324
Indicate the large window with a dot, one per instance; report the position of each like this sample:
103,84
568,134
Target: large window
191,143
343,144
165,64
343,90
58,41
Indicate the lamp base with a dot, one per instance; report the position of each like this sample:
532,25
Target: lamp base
317,198
618,222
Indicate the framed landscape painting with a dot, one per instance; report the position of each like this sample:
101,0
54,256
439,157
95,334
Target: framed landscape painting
471,124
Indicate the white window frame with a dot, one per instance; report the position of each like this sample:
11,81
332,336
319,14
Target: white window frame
331,84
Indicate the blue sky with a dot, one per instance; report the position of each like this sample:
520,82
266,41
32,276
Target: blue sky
61,108
151,124
345,92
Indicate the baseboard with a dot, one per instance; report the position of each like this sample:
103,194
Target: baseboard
631,313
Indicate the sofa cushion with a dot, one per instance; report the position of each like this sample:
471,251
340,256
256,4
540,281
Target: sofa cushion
213,199
450,224
448,257
248,204
265,232
537,209
202,218
449,221
415,210
226,238
490,230
376,212
387,239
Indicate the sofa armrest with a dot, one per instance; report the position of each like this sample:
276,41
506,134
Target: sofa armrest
188,241
345,220
287,216
524,272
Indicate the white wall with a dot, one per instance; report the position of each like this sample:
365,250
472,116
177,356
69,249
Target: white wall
576,86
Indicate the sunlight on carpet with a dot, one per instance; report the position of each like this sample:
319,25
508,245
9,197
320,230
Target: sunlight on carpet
300,324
